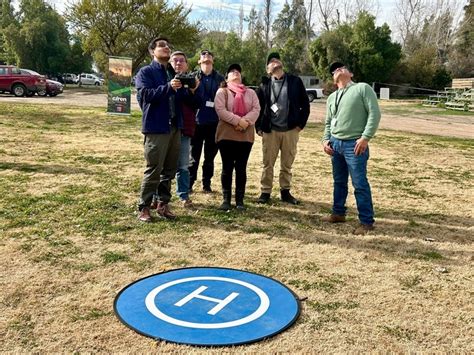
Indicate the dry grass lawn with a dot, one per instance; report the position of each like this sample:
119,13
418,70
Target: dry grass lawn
70,240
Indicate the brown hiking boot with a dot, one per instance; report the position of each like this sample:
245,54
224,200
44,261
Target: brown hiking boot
163,210
334,218
362,229
188,204
145,215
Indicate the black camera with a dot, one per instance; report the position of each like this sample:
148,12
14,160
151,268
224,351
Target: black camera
188,80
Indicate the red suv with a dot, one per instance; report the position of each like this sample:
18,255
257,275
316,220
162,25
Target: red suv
20,84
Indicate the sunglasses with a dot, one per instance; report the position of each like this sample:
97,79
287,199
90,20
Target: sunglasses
338,69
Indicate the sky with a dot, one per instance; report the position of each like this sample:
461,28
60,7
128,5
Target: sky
202,8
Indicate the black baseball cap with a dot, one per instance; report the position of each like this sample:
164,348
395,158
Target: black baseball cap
334,66
273,55
234,67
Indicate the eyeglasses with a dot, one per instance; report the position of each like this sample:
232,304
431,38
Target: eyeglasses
338,69
206,53
178,60
163,44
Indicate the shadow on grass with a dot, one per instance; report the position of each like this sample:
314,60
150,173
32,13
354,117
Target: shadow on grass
46,169
397,233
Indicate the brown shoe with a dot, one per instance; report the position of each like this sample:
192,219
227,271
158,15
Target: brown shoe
163,210
188,204
362,229
145,215
334,218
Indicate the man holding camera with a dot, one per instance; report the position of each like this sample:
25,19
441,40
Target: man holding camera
189,106
206,118
352,118
158,96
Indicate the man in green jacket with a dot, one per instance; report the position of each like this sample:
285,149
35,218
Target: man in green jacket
352,118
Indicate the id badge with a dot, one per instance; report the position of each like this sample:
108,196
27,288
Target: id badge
274,108
209,104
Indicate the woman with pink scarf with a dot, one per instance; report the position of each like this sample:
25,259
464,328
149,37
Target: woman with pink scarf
238,108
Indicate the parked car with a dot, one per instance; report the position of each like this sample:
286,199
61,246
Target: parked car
53,88
89,79
70,78
314,93
19,83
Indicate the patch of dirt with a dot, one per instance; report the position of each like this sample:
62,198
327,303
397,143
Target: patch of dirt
418,122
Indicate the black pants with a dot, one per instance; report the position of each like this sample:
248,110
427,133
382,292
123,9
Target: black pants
204,135
235,155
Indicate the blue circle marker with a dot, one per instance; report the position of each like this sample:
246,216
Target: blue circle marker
207,306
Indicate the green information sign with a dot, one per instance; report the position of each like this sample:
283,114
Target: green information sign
119,90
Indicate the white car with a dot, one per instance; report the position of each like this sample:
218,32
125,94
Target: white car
89,79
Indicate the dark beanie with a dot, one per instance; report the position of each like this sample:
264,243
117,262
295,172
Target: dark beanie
273,55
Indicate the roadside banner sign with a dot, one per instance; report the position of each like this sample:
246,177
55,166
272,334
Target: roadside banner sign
119,86
207,306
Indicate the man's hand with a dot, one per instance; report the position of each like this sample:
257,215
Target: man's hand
361,146
176,84
327,148
195,88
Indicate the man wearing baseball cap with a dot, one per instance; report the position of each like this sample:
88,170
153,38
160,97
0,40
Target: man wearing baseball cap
206,119
284,111
352,118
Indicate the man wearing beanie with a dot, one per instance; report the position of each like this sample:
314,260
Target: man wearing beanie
352,118
283,114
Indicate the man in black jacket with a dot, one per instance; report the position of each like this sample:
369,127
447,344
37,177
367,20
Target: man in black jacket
284,113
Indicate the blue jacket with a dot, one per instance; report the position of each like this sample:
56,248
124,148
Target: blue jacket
153,96
207,91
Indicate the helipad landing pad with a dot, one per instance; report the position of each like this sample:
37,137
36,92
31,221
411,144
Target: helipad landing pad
207,306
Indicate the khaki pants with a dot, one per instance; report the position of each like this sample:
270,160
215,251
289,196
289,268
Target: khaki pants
272,144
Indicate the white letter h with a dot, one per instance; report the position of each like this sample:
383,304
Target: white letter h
197,294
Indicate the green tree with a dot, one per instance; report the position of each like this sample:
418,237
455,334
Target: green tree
367,49
291,36
78,61
124,28
40,40
8,23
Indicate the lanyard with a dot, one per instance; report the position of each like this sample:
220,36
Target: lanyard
339,101
279,92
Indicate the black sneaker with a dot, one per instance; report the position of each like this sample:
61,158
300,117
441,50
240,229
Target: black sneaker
264,197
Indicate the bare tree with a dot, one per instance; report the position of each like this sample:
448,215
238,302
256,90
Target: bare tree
219,19
267,20
409,19
327,12
241,20
350,9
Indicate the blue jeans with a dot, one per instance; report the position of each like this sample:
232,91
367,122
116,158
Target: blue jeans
182,173
345,163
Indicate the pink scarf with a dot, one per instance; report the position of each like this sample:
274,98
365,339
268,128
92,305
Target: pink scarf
239,103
